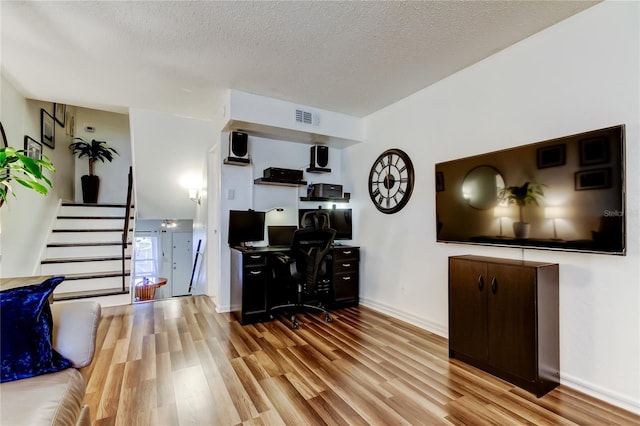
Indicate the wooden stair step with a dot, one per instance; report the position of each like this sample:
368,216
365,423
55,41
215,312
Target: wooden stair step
81,244
82,259
93,217
96,205
88,294
112,243
89,276
90,230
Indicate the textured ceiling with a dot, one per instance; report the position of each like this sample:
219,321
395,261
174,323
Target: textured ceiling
349,57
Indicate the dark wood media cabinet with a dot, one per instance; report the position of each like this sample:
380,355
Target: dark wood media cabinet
503,319
253,290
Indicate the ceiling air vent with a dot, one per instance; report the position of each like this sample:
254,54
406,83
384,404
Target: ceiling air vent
304,117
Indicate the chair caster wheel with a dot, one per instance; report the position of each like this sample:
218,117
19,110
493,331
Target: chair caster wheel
295,326
328,318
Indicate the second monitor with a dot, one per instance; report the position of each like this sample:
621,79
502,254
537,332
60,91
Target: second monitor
339,219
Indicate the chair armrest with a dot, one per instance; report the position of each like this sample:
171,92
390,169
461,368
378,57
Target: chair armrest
75,325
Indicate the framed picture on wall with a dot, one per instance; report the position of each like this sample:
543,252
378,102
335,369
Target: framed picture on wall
593,179
33,148
59,113
5,143
552,156
47,129
439,182
594,151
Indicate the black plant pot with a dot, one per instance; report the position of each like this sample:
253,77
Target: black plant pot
90,187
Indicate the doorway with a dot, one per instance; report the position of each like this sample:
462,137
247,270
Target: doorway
162,258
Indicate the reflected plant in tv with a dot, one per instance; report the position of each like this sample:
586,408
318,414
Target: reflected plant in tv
527,193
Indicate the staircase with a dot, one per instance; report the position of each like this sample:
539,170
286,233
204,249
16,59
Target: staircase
86,247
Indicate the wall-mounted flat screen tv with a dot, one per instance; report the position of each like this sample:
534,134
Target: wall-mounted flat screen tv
561,194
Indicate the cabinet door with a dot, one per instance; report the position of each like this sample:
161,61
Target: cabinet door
512,319
254,298
468,308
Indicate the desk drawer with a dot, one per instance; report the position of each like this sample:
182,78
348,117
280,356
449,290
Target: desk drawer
345,265
254,259
345,287
342,254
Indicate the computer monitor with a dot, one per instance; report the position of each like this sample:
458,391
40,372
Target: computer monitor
339,219
245,226
280,235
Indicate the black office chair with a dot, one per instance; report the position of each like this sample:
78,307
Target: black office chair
307,267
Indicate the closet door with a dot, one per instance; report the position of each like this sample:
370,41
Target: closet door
468,308
182,263
512,319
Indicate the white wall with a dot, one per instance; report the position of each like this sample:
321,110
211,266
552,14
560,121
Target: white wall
280,115
579,75
25,221
169,153
114,129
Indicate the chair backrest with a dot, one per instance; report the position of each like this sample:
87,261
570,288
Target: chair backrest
315,219
310,246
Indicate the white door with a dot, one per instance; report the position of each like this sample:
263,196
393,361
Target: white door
182,263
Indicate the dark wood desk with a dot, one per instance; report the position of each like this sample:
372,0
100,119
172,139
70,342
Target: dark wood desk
254,291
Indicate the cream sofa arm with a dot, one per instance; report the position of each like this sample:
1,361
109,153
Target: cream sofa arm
75,325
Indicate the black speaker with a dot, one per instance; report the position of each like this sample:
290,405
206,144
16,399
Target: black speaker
319,156
238,149
238,145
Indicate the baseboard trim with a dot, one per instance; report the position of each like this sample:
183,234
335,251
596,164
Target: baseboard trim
431,326
607,395
221,309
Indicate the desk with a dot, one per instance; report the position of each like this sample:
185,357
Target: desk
146,287
254,291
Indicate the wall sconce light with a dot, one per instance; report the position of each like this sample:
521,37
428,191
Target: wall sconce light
167,223
501,212
194,195
554,213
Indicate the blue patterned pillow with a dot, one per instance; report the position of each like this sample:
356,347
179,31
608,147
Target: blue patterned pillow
27,326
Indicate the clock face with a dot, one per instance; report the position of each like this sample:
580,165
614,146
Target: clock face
391,181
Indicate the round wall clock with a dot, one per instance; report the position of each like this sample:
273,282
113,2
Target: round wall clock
391,181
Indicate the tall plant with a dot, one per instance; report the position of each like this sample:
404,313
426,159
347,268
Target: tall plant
528,193
17,166
94,151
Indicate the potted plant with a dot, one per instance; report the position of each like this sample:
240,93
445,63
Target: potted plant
94,151
528,193
17,166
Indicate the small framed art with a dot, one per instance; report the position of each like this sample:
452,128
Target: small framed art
47,129
59,113
439,182
552,156
594,151
593,179
33,148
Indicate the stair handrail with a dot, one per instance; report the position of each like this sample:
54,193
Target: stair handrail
125,231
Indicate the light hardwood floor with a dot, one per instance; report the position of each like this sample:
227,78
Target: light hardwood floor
178,362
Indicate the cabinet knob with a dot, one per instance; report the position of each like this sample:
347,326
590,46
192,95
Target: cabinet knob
494,285
480,282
